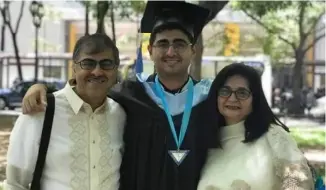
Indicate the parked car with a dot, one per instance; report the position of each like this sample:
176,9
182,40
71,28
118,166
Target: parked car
12,97
318,112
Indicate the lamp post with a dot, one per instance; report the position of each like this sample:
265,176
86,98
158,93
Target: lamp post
37,10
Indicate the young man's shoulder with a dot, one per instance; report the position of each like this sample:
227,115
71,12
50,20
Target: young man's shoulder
126,87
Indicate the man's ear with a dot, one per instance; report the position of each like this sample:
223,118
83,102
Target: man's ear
193,49
74,68
149,48
72,80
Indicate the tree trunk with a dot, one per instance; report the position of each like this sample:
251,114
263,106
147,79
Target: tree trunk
214,7
36,55
19,67
296,106
195,69
3,33
102,8
87,18
2,48
112,22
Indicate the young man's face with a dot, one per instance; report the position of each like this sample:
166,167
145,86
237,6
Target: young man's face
171,52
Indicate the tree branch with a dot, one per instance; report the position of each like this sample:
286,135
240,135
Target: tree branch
3,14
6,18
215,35
300,23
102,9
270,30
20,16
7,12
314,24
313,43
322,29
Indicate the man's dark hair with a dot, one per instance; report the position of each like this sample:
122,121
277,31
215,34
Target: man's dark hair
93,44
170,27
259,120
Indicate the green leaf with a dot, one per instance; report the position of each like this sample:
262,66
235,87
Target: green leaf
122,9
281,21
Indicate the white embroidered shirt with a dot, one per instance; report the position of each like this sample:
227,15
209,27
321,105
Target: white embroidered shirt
84,151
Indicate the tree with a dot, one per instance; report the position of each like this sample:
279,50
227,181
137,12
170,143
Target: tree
6,16
87,5
292,23
214,7
90,6
216,38
100,9
125,10
270,44
103,9
112,21
2,46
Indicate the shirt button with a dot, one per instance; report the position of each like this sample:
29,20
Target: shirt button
92,117
94,167
93,141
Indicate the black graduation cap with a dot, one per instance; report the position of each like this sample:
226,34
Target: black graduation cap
189,17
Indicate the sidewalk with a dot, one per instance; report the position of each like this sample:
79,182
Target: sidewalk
316,156
304,122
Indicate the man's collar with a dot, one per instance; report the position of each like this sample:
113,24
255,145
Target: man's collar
74,100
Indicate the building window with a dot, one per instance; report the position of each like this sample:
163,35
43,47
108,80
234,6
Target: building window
52,72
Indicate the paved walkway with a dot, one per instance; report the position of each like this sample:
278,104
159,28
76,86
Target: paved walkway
316,156
304,122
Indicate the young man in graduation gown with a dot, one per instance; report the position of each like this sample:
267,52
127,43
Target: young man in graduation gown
167,135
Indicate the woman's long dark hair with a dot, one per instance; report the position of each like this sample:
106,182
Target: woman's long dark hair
259,120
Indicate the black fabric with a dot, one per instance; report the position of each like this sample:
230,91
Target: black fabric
146,164
187,16
44,143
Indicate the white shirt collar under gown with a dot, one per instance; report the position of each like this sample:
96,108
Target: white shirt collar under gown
176,102
273,162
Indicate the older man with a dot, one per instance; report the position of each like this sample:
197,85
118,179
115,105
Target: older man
84,152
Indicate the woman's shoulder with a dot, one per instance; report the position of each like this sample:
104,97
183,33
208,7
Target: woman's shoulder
277,132
289,161
282,143
278,135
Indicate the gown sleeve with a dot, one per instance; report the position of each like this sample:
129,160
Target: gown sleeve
291,167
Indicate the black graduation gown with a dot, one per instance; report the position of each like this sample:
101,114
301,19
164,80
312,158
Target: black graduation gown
146,163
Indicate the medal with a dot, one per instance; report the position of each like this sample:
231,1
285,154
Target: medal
177,155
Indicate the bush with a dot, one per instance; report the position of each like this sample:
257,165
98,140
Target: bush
309,138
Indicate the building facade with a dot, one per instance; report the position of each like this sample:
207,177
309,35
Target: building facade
51,40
